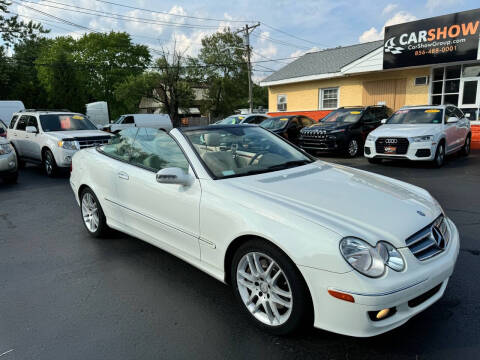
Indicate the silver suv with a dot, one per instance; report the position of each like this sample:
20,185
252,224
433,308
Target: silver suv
421,133
51,137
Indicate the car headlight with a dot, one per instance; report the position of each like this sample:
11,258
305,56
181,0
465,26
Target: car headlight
68,144
370,138
5,149
423,138
368,260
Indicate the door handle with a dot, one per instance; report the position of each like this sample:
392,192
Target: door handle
123,175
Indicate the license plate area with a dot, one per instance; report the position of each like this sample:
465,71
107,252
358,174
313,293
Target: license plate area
390,149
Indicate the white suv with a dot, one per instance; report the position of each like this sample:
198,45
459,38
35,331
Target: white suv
52,137
424,133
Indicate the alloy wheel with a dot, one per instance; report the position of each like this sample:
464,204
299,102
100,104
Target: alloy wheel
48,164
353,147
441,155
90,212
264,289
467,146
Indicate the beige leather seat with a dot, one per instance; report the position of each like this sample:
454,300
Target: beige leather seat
215,159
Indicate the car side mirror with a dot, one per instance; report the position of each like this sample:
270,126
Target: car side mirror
174,175
31,129
384,121
452,120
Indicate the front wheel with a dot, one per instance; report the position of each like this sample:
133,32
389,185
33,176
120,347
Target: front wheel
270,288
353,148
49,164
92,214
439,156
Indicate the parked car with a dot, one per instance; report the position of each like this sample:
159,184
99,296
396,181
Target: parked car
52,137
3,129
8,107
343,130
243,119
8,162
156,121
288,127
288,232
420,133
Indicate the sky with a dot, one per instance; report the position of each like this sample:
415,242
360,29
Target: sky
288,28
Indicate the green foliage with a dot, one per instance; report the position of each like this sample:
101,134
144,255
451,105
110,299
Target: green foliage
13,30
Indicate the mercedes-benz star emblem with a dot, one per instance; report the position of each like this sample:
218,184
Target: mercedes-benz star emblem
437,236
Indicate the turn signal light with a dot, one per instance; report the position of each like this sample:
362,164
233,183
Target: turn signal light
341,296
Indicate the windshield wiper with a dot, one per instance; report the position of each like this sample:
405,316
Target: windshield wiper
289,164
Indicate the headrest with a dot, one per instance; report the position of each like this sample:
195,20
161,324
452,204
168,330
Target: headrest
212,139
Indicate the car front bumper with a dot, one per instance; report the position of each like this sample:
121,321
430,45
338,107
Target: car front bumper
63,157
394,290
329,143
417,151
8,164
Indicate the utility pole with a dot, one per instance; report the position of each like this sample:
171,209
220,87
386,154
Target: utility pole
247,30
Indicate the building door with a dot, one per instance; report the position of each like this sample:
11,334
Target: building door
388,92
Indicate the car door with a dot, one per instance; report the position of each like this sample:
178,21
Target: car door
167,213
462,126
368,122
32,141
451,129
18,135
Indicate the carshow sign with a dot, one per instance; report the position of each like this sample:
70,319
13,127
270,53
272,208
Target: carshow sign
441,39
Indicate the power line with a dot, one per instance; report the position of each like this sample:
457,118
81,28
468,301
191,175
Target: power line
293,36
280,42
92,12
168,13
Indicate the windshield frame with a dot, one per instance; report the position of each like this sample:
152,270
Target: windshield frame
220,126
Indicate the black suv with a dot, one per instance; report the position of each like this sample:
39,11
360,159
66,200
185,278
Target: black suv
343,130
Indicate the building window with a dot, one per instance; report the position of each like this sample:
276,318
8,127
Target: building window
422,80
446,85
281,102
328,98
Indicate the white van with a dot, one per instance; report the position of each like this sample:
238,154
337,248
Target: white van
7,108
156,121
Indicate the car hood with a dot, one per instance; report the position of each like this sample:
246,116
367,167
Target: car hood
77,134
347,201
327,126
406,130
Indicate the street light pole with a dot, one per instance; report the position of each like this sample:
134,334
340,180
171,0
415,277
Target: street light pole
247,30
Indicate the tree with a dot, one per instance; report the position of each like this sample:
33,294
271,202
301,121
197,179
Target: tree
13,29
168,84
221,66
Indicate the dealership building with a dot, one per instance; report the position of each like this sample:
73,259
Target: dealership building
431,61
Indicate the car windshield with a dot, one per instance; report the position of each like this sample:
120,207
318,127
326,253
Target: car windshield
343,116
233,151
232,120
65,122
275,123
416,116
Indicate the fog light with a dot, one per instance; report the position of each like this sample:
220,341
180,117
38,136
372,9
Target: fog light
341,296
11,164
68,159
382,314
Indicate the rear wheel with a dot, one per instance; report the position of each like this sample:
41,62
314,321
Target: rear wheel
466,146
49,163
439,155
270,288
353,148
92,214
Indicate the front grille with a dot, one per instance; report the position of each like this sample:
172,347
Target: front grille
424,297
429,241
86,142
401,145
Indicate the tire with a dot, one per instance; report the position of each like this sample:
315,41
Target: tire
353,148
374,161
93,217
282,301
439,155
11,178
466,147
49,164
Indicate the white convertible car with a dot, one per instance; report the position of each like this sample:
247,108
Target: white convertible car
301,241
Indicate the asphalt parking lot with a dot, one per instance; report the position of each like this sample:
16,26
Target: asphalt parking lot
64,295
